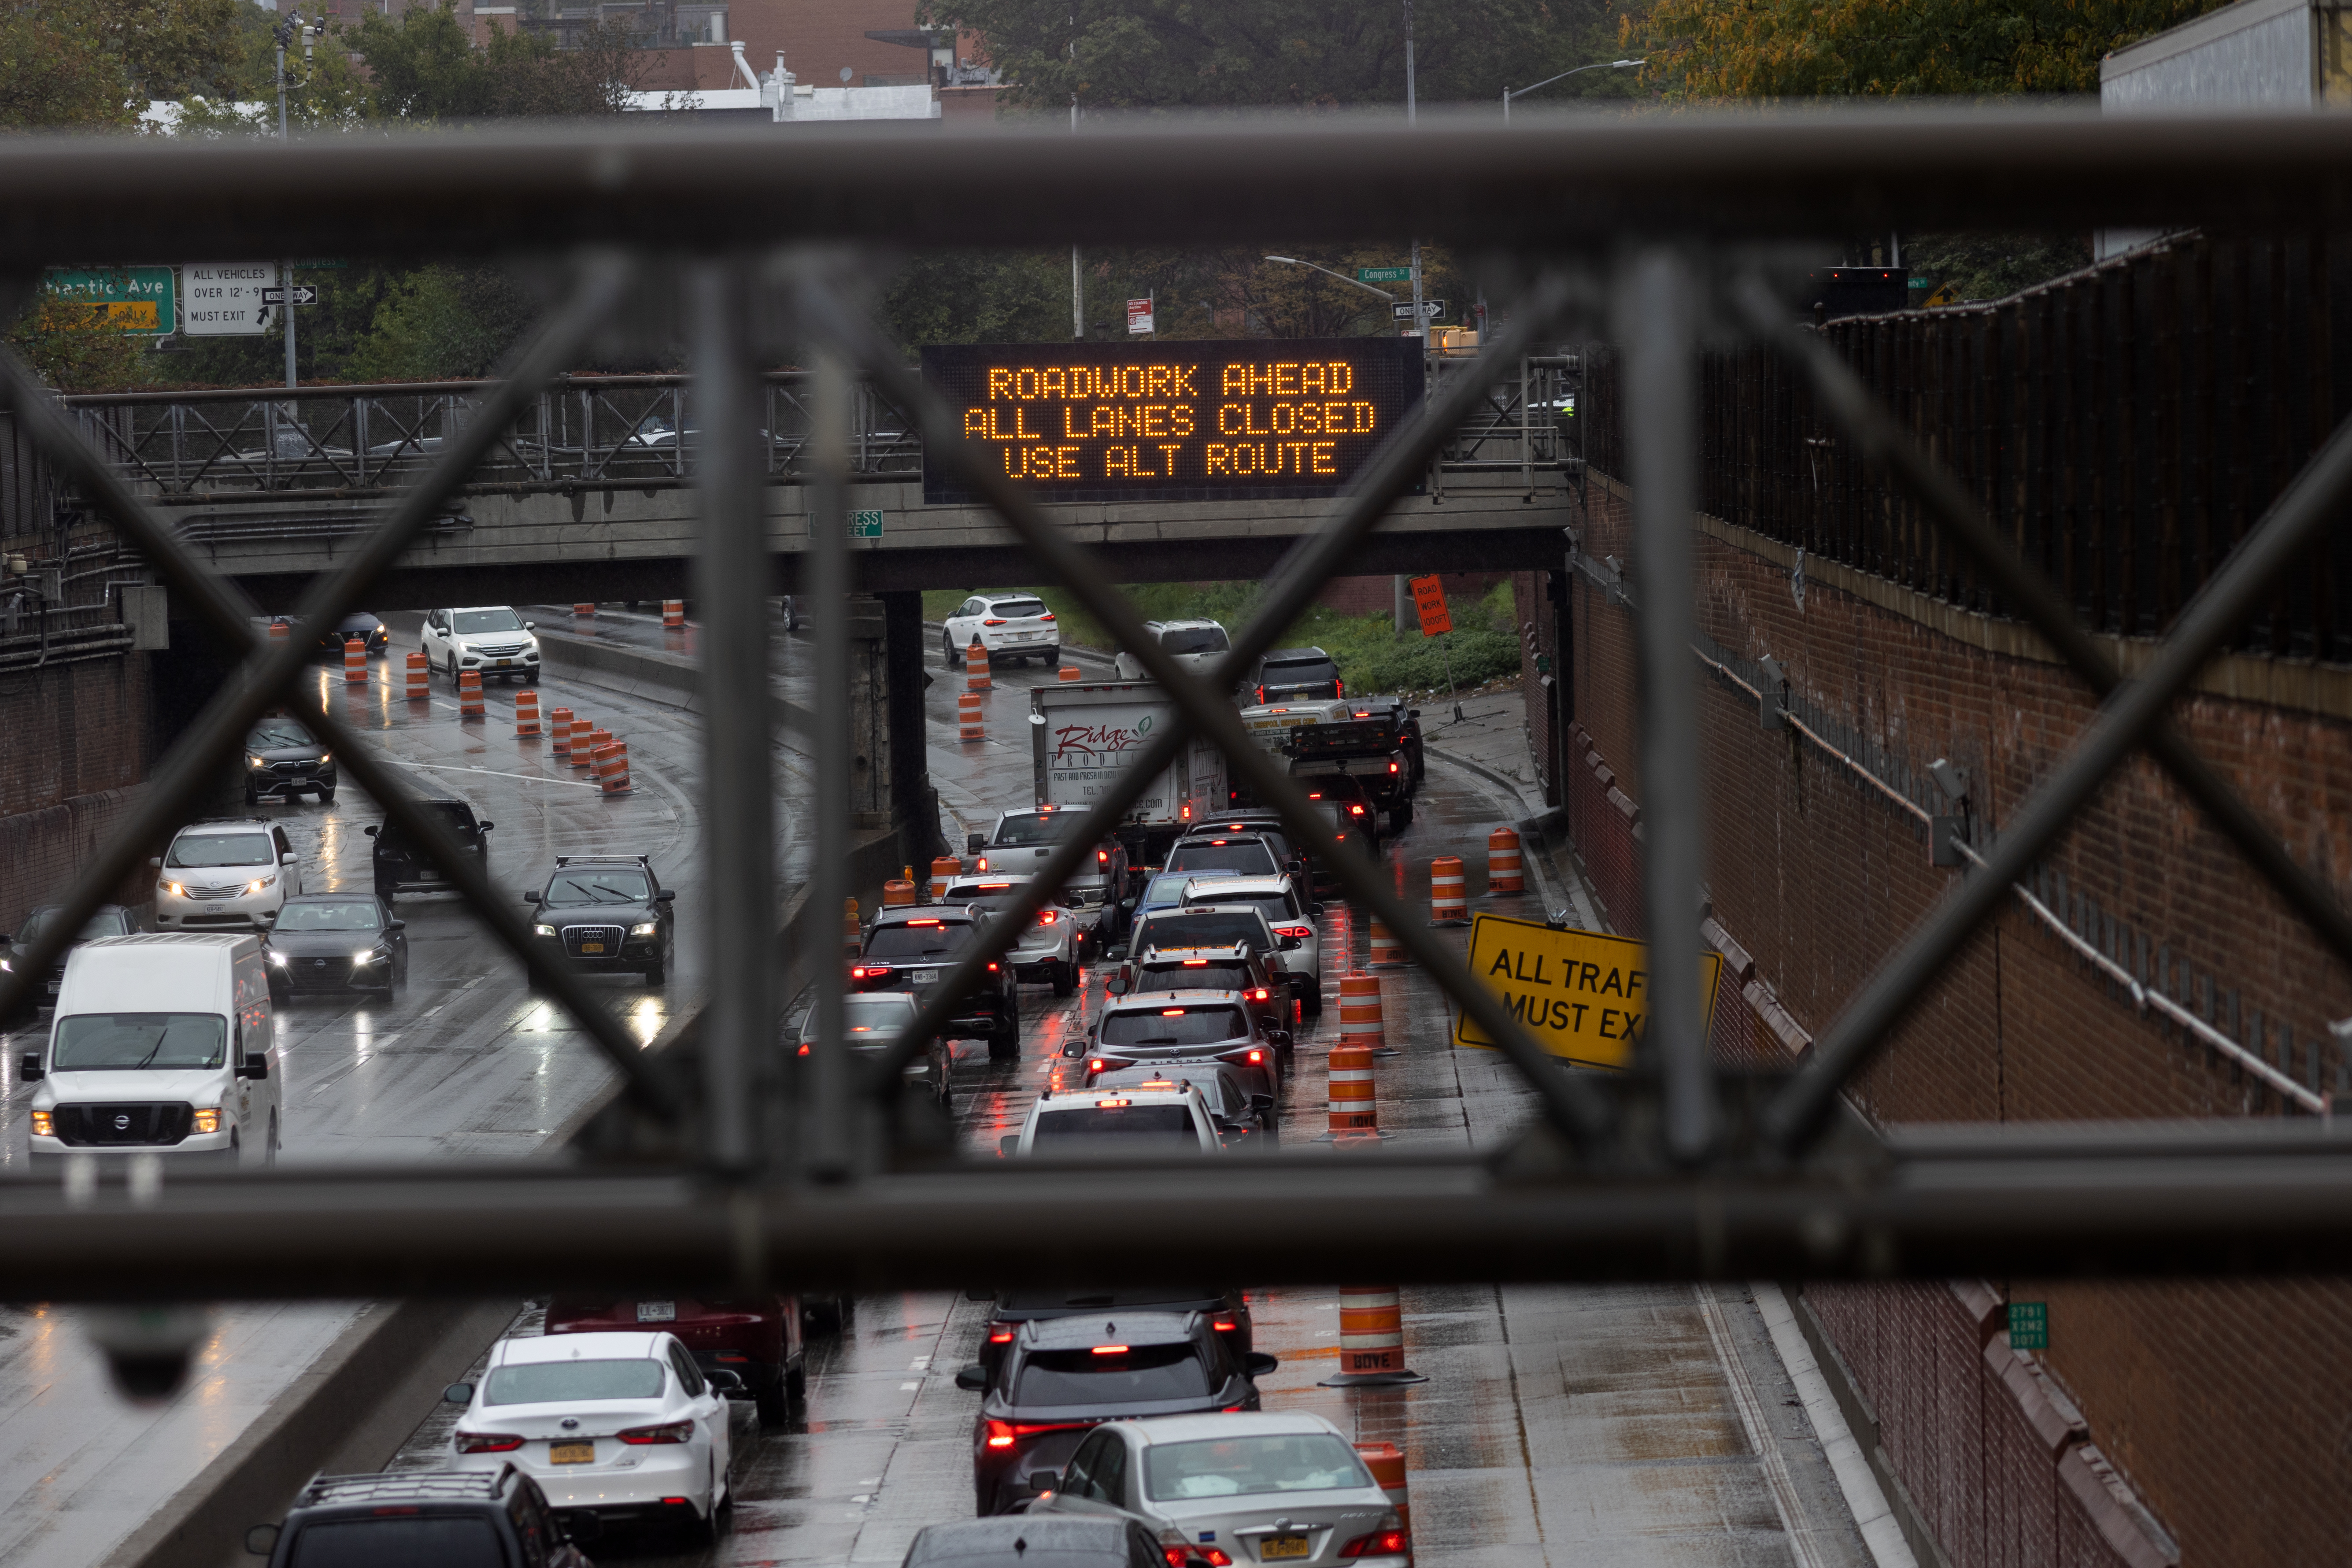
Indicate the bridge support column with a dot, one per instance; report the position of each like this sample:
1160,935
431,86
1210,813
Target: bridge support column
870,684
912,803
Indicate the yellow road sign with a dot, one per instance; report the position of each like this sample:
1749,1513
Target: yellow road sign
1582,995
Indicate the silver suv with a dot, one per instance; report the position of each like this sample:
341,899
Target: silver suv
1289,915
226,871
1196,646
1047,952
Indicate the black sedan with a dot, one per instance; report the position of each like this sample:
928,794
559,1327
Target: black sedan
400,865
282,759
336,942
604,915
107,920
359,624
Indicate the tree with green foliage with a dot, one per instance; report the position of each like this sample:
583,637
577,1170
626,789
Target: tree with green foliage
94,66
425,67
440,322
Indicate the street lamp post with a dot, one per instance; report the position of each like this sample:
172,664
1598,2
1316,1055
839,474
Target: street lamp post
1511,92
285,31
1367,287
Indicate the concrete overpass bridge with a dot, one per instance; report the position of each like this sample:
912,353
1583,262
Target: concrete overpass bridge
590,496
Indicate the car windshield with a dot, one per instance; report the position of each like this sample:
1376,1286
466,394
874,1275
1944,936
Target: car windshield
447,1540
1243,857
1165,890
616,885
561,1381
1082,1377
473,623
125,1042
918,939
1202,928
1276,906
1193,975
1240,1466
105,922
344,914
995,891
1196,639
866,1016
1011,608
1304,672
1038,827
199,849
1173,1026
275,735
1161,1128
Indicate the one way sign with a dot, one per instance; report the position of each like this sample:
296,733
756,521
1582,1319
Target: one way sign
304,294
1430,309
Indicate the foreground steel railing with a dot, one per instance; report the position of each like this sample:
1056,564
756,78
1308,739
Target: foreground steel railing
1671,1169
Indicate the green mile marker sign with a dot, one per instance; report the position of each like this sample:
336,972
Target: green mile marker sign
1383,274
2029,1325
127,299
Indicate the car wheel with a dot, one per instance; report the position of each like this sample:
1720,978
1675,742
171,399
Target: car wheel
252,795
823,1313
1066,978
453,669
655,976
326,795
1004,1042
773,1400
948,652
796,1382
531,679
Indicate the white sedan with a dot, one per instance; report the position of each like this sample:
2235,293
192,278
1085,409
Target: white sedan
615,1425
1009,625
1238,1488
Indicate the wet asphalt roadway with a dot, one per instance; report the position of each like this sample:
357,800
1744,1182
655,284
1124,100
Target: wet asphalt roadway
1560,1425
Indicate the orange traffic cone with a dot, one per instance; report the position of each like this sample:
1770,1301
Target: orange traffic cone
354,662
1371,1339
1503,870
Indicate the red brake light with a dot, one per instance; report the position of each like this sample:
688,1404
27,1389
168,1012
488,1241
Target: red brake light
992,969
1256,1057
1226,1326
1380,1543
1111,1350
487,1442
1340,686
1046,616
1392,767
1178,1556
396,1508
926,922
1112,1105
1315,794
1355,811
1172,1012
1184,813
992,622
1258,994
1196,963
1300,931
668,1431
804,1048
1261,694
1096,1065
1000,1336
1102,857
999,1434
984,863
1215,1558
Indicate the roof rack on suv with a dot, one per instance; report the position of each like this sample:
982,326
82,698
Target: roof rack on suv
644,860
405,1484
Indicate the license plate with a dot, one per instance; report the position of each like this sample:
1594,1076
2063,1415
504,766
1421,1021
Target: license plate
504,662
921,976
591,947
657,1311
572,1453
1274,1548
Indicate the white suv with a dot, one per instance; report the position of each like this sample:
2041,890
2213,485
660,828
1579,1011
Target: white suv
488,638
1288,914
1014,626
1140,1122
229,871
1047,952
1196,646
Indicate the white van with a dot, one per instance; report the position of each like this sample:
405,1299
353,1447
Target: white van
161,1045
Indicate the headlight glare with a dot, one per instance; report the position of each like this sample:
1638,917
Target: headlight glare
646,929
207,1119
45,1124
364,955
542,931
255,762
278,958
177,890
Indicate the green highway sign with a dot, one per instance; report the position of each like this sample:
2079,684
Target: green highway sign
134,298
1383,274
866,525
2029,1325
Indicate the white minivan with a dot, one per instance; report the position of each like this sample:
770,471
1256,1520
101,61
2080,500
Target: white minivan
161,1045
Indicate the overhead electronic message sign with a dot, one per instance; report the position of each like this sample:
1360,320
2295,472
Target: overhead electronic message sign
1257,418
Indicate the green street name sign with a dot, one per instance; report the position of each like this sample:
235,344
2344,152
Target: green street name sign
866,525
1383,274
2029,1325
134,299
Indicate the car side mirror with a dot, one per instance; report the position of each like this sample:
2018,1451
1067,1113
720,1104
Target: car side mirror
29,1067
1116,986
1257,1363
727,1382
974,843
1260,1103
396,925
253,1067
667,895
155,862
530,625
973,1379
1008,1145
369,831
530,897
1290,945
484,826
1042,1481
457,1394
261,1539
1313,911
287,858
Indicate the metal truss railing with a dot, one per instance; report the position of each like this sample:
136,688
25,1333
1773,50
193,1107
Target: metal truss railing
1674,1168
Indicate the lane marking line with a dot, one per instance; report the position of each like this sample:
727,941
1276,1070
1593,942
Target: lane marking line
1794,1521
527,778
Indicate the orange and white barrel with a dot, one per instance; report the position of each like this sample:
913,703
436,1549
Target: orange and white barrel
944,869
1359,1012
1071,672
975,666
1386,1461
1387,952
672,613
279,631
1449,904
584,733
612,767
1504,875
420,681
897,891
469,694
850,932
971,716
1371,1329
354,662
527,714
584,609
1353,1113
559,732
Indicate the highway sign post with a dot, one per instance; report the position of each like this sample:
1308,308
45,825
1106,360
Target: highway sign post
224,299
125,298
1584,995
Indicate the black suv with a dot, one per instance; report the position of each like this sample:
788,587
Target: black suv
107,920
606,914
910,947
282,759
1293,675
1063,1375
451,1518
400,862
